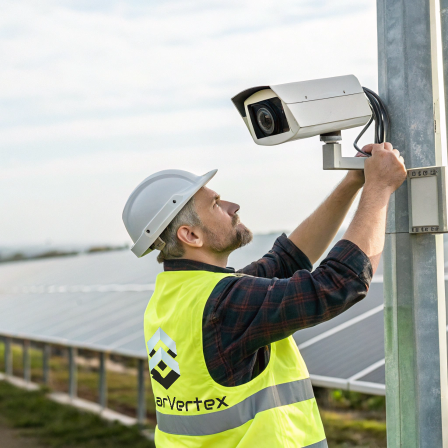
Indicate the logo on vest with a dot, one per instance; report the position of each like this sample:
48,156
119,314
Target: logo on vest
164,369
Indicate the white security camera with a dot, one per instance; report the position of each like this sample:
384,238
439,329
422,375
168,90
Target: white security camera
285,112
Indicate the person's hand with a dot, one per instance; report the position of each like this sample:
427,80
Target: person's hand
385,170
357,176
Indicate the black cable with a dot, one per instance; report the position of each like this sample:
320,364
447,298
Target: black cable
381,118
384,114
383,107
355,143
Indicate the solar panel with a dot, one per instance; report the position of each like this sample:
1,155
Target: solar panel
97,301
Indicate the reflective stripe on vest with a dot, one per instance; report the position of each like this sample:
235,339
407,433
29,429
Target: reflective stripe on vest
237,415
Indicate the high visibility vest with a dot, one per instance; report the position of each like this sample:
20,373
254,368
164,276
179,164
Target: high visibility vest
275,409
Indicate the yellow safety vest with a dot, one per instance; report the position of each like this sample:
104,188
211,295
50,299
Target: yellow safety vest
275,409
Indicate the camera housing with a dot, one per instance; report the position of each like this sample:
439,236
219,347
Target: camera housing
285,112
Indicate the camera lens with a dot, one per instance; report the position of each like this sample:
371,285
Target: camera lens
266,120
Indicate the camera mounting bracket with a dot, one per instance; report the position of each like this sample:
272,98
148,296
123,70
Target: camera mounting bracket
333,160
332,154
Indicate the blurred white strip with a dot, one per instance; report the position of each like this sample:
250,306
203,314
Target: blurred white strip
341,327
367,370
49,289
356,386
367,388
329,382
377,278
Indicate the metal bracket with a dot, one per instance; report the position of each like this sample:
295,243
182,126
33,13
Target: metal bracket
333,160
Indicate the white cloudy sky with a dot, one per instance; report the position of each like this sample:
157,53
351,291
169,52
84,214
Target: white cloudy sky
96,95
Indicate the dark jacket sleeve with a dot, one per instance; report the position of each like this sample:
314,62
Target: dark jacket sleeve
281,261
244,314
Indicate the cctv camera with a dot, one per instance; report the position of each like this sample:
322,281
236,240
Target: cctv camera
285,112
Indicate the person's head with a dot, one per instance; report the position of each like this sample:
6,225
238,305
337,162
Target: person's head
206,227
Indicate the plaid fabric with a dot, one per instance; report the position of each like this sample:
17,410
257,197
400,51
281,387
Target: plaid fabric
277,296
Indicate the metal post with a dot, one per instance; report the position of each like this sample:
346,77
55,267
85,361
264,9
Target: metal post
26,361
102,386
416,353
46,352
141,409
444,33
444,29
8,356
72,380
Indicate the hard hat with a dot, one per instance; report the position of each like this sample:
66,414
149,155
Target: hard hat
155,203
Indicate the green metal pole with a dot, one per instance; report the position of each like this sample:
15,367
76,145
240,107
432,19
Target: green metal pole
72,372
46,353
26,361
8,356
141,403
102,381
